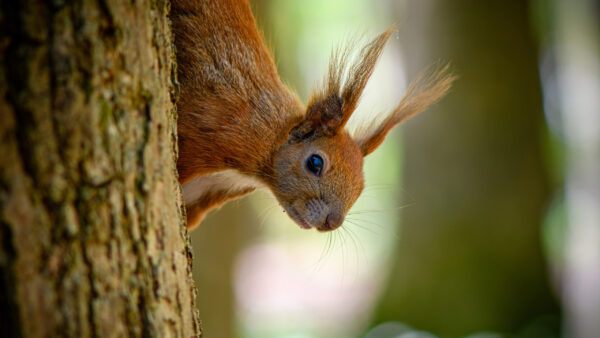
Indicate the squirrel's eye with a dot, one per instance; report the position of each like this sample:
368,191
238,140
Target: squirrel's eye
314,164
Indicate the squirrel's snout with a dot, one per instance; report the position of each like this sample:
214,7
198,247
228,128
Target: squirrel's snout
318,215
332,222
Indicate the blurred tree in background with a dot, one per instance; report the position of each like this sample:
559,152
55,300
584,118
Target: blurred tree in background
469,256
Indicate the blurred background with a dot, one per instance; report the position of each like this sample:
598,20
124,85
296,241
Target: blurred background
480,217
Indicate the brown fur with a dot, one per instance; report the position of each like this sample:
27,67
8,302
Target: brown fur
198,209
428,88
235,113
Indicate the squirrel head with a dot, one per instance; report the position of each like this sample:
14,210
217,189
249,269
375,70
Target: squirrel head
317,174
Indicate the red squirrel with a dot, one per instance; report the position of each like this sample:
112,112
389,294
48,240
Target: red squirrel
240,128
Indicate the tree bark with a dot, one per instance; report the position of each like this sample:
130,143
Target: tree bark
469,255
93,238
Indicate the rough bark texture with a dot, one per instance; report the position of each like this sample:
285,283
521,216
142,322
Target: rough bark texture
91,228
469,254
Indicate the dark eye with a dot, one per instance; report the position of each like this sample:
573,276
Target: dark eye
314,164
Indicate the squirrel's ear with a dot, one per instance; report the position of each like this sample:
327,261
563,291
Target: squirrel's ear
430,86
330,107
323,118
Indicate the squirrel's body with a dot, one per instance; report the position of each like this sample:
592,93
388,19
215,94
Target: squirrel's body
228,181
230,97
230,92
241,128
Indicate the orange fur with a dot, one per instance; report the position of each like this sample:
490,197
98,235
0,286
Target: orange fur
240,128
428,88
198,209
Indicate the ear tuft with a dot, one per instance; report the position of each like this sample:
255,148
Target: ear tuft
429,87
360,72
333,104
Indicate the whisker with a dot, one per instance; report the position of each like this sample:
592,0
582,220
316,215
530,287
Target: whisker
370,188
355,223
393,232
371,211
356,245
326,249
354,218
360,249
264,215
342,245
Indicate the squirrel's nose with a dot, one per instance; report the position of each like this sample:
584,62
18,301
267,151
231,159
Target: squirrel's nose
332,222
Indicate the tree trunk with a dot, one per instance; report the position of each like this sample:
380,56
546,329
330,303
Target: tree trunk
469,254
91,226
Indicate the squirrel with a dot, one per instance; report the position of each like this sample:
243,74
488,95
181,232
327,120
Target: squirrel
240,128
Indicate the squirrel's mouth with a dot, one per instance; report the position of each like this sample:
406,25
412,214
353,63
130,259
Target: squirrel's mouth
296,217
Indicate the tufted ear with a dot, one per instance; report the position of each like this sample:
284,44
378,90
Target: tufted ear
323,117
331,106
427,89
